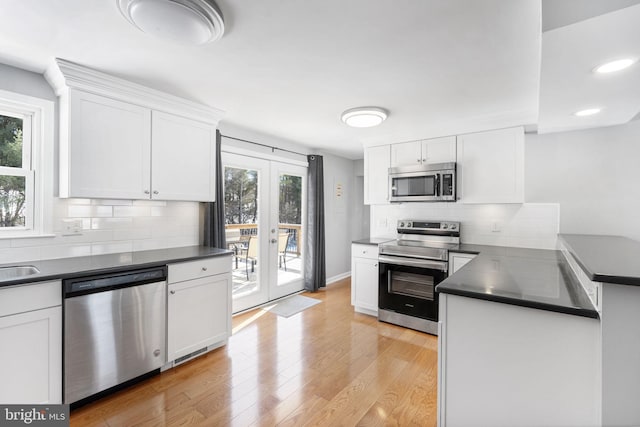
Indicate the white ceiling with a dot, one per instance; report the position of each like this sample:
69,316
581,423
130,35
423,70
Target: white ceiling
289,68
568,84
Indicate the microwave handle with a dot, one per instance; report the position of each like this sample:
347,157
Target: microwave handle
438,183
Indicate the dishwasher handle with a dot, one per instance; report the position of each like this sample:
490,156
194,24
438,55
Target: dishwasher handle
109,281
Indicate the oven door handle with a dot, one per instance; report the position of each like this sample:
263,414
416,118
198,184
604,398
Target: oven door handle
414,262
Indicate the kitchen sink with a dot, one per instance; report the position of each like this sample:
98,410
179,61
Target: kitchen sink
8,273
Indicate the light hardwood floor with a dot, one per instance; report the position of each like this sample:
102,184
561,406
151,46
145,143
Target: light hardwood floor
325,366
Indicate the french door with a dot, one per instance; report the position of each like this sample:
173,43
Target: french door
264,223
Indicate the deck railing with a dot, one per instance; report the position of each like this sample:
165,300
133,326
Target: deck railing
294,230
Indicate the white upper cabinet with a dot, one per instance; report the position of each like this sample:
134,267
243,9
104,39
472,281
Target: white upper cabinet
106,153
376,175
121,140
491,166
183,158
437,150
406,154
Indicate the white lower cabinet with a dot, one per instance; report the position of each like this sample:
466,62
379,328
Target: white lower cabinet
506,365
31,337
364,278
458,260
198,307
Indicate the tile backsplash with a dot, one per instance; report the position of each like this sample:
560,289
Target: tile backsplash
109,226
530,225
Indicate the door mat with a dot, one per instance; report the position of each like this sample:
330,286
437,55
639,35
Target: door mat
293,305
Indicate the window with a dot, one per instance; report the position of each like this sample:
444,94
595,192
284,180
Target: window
26,158
16,175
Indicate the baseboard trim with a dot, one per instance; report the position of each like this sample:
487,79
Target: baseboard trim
338,277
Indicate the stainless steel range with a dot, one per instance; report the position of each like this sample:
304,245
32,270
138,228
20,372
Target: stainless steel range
409,270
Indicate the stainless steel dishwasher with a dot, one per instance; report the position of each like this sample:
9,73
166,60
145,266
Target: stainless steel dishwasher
114,330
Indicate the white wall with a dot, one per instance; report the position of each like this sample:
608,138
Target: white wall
25,82
361,218
526,225
593,174
338,196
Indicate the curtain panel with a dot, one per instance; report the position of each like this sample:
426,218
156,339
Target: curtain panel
214,232
315,275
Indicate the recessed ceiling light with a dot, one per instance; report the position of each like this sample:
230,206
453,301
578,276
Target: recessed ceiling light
587,112
613,66
364,117
184,21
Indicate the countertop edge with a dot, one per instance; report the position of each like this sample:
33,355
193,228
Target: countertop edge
597,277
36,278
371,241
593,314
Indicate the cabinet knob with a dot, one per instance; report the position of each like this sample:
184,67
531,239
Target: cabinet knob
424,160
375,265
155,191
146,191
172,292
418,160
204,268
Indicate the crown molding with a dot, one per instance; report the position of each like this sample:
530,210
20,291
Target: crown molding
64,75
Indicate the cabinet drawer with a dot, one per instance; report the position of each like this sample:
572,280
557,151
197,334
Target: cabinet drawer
364,251
201,268
23,298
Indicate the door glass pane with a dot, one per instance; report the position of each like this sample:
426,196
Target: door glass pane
289,229
241,227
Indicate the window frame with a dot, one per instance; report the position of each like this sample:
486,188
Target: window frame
37,162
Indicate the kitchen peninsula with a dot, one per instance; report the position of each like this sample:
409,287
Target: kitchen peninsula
525,338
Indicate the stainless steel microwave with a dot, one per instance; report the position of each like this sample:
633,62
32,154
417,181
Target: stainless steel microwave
423,183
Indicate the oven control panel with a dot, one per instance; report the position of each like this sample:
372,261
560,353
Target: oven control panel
419,225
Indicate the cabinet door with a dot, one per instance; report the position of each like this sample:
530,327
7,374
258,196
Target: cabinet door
183,159
198,314
439,150
365,284
31,357
491,166
108,149
376,175
406,154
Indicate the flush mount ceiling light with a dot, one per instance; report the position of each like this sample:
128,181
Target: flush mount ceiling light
364,117
184,21
587,112
613,66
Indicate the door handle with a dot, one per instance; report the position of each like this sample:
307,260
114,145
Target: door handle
274,240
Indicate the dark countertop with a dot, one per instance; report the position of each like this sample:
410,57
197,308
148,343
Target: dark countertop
534,278
608,259
374,241
65,268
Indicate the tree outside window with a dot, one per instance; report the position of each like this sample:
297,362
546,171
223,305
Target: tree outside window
13,176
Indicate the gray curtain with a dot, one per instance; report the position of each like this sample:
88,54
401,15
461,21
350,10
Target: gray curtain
315,275
214,212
